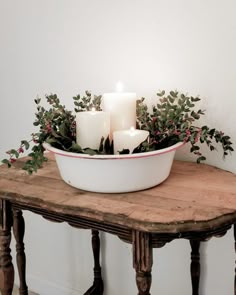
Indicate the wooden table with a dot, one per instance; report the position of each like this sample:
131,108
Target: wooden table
196,202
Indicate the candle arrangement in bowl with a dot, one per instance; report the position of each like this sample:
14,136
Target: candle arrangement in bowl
114,143
115,172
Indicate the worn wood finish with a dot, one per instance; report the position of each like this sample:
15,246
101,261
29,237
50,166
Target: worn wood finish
195,265
194,197
142,261
125,234
6,266
97,288
196,202
19,231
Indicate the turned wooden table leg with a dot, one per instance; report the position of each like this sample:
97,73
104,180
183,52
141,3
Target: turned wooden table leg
235,251
6,266
97,288
142,261
195,265
19,231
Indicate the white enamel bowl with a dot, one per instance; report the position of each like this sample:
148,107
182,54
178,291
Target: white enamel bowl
114,173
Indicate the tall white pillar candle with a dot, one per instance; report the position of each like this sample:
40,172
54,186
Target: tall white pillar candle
122,108
128,139
91,126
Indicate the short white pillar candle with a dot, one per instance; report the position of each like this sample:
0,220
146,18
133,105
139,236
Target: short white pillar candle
122,108
128,139
91,126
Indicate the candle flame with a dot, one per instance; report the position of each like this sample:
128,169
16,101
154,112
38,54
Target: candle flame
93,109
119,86
132,129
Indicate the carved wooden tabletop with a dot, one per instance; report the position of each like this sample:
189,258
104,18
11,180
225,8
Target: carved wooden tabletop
194,197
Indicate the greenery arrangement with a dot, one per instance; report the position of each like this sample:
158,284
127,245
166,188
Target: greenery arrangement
170,121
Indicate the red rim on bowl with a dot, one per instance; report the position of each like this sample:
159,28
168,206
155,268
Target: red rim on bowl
56,151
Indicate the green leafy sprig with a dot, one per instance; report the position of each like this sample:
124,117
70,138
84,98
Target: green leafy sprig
87,102
173,120
57,127
170,121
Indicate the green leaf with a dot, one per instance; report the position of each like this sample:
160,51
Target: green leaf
101,145
171,99
7,162
204,128
15,153
88,93
124,152
37,100
108,146
51,140
161,93
90,152
26,144
55,134
173,94
212,132
200,159
195,99
230,148
76,148
201,112
63,129
194,148
76,97
226,137
195,115
189,104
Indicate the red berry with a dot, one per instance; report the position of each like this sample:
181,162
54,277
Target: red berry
21,150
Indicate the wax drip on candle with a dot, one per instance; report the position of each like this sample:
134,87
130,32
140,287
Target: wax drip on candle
128,139
132,131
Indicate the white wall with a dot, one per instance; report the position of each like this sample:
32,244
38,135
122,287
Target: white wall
67,47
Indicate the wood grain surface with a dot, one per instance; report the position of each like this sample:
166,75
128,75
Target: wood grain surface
195,197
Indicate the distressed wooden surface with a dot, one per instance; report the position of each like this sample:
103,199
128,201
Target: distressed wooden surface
195,197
